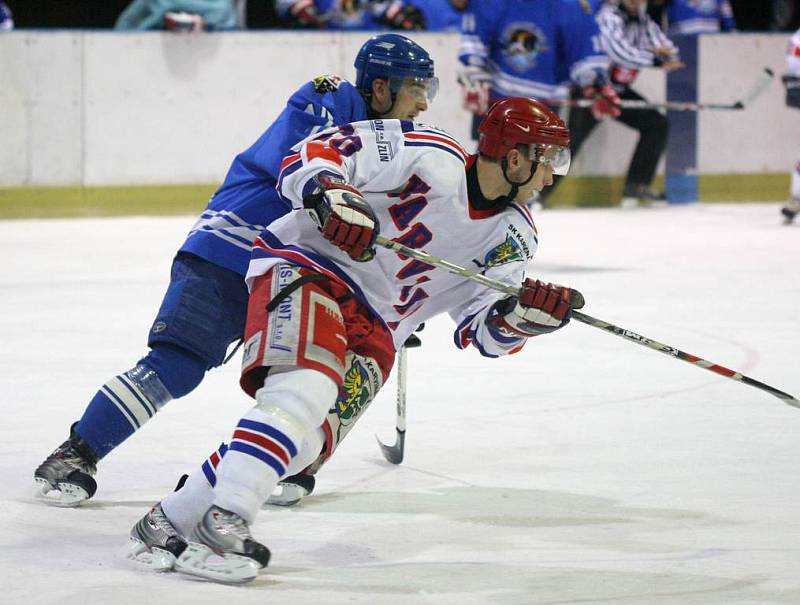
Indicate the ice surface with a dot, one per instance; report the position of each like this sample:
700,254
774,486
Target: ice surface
583,470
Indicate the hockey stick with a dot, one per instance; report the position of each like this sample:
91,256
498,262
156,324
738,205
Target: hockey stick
587,319
756,90
394,453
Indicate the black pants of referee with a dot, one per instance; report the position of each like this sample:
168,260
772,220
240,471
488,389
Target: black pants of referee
653,130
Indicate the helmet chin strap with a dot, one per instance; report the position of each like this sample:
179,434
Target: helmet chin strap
372,114
511,195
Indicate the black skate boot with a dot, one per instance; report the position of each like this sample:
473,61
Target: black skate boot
641,195
791,210
155,544
290,490
65,477
225,551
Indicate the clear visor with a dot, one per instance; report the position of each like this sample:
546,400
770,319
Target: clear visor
557,157
419,88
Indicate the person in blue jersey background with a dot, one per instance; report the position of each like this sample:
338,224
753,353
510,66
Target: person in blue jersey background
533,48
700,16
204,309
546,49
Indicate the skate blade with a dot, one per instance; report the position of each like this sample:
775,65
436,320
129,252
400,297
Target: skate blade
142,557
66,495
200,561
288,495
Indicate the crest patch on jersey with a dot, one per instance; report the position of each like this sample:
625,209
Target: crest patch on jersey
522,44
507,252
354,392
323,84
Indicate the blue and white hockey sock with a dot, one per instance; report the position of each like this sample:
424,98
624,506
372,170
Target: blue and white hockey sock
121,407
127,401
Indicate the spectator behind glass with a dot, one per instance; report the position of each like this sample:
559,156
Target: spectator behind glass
350,14
6,22
700,16
178,15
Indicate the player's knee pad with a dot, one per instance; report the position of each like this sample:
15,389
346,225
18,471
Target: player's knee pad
177,370
362,381
297,397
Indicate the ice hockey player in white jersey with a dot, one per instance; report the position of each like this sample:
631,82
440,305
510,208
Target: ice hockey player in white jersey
791,80
324,300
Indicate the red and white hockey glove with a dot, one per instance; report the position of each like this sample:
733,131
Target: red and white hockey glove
541,308
475,87
344,218
606,101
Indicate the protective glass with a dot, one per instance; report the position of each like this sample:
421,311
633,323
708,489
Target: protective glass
552,155
419,88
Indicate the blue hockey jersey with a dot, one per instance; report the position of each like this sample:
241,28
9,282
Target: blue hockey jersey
247,201
700,16
533,48
440,15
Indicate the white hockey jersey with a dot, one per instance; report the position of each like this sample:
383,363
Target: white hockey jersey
414,178
793,55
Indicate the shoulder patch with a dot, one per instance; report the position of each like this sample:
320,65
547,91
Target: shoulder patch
328,83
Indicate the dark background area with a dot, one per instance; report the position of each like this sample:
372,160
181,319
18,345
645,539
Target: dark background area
101,14
751,15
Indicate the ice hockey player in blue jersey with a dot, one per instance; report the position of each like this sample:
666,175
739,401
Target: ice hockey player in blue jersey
534,48
700,16
205,306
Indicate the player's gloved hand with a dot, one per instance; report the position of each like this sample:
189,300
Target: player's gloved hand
344,218
540,308
400,15
305,14
606,101
475,86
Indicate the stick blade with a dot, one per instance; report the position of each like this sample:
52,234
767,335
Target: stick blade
393,453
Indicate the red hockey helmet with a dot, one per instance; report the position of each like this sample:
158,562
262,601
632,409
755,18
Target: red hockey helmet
525,121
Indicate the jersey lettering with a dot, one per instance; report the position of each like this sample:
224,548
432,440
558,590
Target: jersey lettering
403,214
417,237
415,267
418,296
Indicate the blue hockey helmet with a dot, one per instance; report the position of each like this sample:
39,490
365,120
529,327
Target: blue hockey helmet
394,58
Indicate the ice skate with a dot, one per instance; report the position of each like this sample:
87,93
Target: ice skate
65,477
154,543
225,551
291,490
791,210
642,196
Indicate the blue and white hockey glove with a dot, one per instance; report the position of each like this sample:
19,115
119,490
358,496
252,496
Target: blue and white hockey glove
540,309
344,217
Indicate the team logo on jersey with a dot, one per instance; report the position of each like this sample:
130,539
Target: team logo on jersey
323,84
507,252
354,392
522,43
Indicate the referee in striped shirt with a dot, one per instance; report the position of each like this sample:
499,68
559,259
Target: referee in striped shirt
632,40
